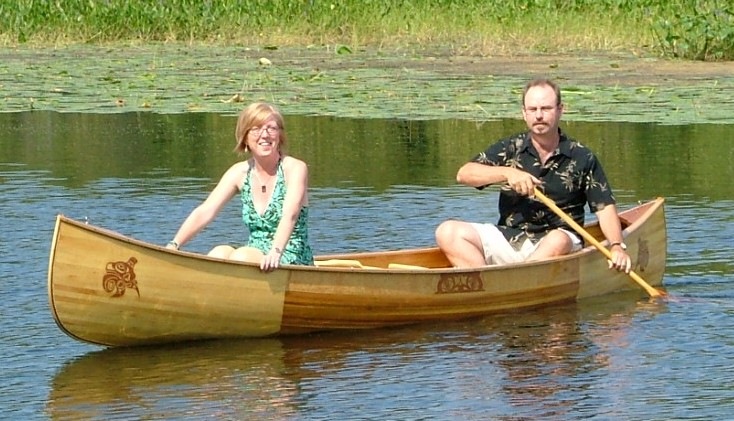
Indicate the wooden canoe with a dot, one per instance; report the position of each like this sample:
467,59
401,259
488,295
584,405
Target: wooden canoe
112,290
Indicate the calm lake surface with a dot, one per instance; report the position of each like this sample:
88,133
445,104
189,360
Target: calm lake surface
375,185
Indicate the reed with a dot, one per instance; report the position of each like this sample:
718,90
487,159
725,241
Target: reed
698,29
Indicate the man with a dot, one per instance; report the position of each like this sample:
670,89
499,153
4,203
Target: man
544,157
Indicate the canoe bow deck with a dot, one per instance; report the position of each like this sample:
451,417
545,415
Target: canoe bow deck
108,289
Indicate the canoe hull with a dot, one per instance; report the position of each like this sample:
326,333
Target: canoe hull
112,290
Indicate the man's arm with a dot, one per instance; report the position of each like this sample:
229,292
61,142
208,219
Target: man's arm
612,229
474,174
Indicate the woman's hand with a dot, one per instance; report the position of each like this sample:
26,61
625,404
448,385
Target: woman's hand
271,261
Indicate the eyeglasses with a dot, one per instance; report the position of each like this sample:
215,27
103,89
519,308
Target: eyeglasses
546,109
257,131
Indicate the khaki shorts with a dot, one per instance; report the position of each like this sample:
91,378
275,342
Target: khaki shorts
498,251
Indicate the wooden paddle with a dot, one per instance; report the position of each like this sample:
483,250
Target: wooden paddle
588,237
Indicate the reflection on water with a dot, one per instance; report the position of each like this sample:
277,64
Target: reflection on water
544,363
375,185
230,380
643,160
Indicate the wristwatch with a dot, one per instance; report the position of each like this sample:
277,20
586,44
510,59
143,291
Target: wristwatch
623,245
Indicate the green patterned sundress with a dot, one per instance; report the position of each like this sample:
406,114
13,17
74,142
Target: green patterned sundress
262,227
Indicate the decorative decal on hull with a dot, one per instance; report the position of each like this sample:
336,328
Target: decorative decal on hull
459,283
120,276
643,255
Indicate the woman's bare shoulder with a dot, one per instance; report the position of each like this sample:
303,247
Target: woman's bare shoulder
292,163
237,171
241,166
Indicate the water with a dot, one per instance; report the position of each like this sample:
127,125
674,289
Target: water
375,185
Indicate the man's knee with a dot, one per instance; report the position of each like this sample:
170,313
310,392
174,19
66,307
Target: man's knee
450,231
563,240
444,231
555,243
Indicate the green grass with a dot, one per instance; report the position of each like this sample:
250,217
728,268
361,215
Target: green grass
697,29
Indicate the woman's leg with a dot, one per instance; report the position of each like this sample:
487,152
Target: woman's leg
221,252
247,254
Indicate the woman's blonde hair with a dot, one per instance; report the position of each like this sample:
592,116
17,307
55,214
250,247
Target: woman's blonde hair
255,115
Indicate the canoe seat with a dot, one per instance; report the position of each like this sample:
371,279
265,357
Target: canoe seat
342,263
356,264
402,266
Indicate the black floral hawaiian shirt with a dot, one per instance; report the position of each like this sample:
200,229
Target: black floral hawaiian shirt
572,177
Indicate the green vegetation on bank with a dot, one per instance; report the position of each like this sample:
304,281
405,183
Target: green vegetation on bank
692,29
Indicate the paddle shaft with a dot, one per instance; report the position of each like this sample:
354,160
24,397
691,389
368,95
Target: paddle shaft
588,237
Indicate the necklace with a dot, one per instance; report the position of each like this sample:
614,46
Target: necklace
263,186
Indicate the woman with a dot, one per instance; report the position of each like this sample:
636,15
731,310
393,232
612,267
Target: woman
273,187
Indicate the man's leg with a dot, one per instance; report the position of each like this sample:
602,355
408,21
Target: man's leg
556,243
461,243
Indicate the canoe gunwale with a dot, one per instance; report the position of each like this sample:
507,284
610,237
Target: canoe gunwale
588,249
